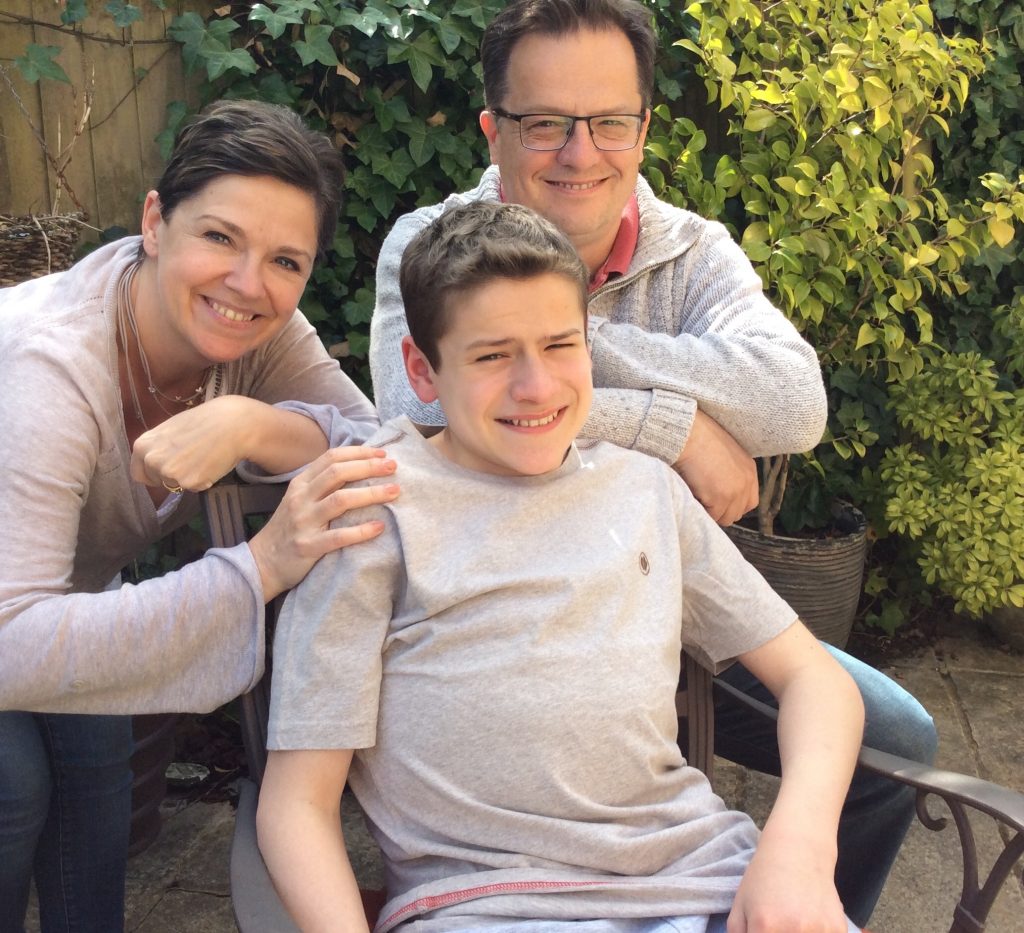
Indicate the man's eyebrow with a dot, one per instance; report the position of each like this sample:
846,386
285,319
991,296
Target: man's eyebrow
237,231
562,112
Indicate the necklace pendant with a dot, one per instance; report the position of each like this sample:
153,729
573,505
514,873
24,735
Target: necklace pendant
152,390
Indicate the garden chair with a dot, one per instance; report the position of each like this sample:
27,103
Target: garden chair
230,505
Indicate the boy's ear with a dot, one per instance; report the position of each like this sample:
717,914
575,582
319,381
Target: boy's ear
419,371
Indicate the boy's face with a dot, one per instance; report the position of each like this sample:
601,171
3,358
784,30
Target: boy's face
514,378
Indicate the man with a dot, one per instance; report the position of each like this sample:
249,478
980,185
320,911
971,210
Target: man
692,364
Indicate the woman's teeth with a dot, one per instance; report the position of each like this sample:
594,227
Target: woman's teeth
229,313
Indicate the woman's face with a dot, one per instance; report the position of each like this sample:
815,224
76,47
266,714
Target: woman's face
228,267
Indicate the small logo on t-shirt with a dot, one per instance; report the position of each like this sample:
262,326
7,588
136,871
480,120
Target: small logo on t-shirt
645,564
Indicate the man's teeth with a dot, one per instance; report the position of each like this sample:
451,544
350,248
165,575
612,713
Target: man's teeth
532,422
229,313
577,187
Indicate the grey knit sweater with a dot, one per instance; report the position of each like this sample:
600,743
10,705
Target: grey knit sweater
688,325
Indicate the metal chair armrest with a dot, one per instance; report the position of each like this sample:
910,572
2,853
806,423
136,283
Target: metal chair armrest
960,793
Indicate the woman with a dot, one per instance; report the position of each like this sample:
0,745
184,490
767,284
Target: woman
145,372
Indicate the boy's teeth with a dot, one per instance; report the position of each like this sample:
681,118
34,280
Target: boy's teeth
229,313
532,422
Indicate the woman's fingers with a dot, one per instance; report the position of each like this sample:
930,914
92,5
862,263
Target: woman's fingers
336,538
342,465
299,533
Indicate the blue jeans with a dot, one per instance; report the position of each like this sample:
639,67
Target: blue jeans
65,813
877,812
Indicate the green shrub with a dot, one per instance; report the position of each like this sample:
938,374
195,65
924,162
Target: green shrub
828,180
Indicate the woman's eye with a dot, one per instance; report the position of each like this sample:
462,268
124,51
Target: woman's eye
288,263
215,236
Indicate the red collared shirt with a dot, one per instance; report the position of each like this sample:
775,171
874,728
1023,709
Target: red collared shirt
621,254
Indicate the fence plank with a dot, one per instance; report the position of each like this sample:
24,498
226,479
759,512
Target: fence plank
23,178
134,74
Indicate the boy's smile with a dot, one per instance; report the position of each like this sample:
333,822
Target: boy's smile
514,379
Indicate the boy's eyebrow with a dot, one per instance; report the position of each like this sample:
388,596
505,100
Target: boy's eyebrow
504,341
237,231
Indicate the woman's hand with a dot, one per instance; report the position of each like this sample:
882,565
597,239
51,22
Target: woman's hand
197,447
194,449
298,533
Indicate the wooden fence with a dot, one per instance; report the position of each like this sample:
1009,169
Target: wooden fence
126,78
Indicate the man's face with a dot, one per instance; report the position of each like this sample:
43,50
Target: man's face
579,188
514,376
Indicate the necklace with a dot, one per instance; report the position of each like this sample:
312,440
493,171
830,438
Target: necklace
125,322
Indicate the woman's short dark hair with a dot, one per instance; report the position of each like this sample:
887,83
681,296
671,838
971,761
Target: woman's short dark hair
247,137
470,246
523,18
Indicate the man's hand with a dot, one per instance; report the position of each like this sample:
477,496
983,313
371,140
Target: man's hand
719,472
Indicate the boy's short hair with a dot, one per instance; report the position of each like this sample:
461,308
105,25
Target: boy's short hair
469,246
523,18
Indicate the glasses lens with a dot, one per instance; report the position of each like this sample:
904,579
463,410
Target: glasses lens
544,131
615,130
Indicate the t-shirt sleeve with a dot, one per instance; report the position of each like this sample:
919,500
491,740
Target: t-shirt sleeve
327,655
728,607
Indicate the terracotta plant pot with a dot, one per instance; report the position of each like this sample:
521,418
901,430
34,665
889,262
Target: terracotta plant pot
820,577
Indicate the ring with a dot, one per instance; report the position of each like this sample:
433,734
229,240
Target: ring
170,488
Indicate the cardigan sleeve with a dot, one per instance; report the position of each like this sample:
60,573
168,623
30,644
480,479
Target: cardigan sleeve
187,641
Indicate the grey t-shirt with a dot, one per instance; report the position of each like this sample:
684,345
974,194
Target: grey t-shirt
505,657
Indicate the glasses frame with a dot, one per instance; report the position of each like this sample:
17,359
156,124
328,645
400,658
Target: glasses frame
519,117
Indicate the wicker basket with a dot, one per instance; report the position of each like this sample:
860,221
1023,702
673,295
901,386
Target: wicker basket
34,246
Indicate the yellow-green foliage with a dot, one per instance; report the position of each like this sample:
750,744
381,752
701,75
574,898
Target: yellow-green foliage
829,180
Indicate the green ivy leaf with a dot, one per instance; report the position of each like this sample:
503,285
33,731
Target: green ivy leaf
74,12
39,62
220,60
274,21
315,46
124,14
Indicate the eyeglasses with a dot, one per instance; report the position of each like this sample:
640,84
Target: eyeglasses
545,132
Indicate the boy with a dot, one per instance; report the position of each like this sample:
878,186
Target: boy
505,656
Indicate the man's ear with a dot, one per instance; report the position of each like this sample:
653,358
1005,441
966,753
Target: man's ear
419,371
643,138
489,125
152,221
